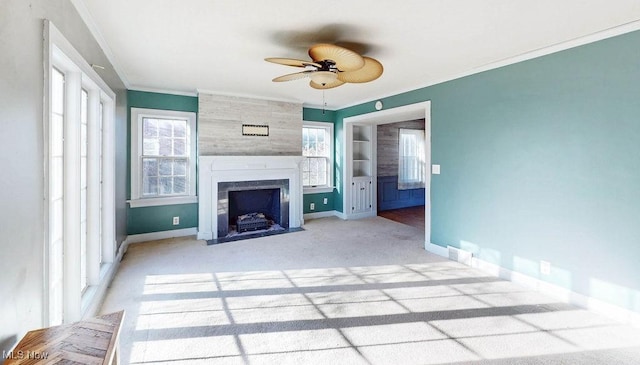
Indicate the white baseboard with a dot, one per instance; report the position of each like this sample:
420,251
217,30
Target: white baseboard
205,235
316,215
555,291
152,236
340,215
564,295
436,249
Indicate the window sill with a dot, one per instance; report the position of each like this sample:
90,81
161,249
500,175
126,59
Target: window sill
320,189
154,202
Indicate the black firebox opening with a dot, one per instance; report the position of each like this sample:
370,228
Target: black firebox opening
261,201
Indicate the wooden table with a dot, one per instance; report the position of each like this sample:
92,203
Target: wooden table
92,341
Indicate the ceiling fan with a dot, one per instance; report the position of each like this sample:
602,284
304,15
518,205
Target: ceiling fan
331,66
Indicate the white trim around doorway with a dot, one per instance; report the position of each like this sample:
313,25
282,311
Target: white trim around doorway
393,115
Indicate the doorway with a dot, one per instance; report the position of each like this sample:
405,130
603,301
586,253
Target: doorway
403,113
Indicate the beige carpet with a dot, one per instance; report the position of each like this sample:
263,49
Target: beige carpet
343,292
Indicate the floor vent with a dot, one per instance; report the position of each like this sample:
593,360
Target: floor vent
461,256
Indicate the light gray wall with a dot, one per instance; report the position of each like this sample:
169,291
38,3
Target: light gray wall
220,120
21,147
387,144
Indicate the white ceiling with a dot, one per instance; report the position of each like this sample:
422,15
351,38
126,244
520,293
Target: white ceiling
186,46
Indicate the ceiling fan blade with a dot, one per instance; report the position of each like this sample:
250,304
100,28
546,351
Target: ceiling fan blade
372,70
293,76
292,62
345,59
331,85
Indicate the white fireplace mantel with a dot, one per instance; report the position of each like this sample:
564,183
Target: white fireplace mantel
216,169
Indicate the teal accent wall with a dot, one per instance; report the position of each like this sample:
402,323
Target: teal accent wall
158,218
319,115
318,200
540,161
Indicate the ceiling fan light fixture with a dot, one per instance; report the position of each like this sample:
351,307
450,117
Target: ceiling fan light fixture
331,66
323,77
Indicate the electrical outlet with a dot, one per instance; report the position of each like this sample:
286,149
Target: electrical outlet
176,221
545,268
326,200
312,206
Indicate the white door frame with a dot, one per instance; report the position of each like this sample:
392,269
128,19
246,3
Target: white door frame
399,114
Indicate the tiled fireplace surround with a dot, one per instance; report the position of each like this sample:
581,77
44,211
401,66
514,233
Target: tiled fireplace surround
244,171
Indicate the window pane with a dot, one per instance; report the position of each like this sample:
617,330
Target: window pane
166,185
166,149
165,167
179,147
180,128
57,92
57,130
316,142
165,127
179,185
56,172
83,139
322,172
180,167
83,172
411,162
84,98
315,171
313,142
151,147
150,127
306,179
306,145
149,167
150,186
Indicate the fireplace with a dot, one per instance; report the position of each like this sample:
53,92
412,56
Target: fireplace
222,178
261,198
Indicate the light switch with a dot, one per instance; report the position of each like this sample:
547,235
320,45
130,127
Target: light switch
435,169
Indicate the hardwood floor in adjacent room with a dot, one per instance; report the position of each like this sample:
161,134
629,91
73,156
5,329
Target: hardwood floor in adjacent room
413,216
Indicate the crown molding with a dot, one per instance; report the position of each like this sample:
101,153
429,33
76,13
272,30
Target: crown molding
536,53
84,13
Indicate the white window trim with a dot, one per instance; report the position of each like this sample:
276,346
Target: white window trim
137,114
329,187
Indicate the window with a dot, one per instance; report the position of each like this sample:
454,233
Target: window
411,159
80,175
84,112
163,157
317,148
56,198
